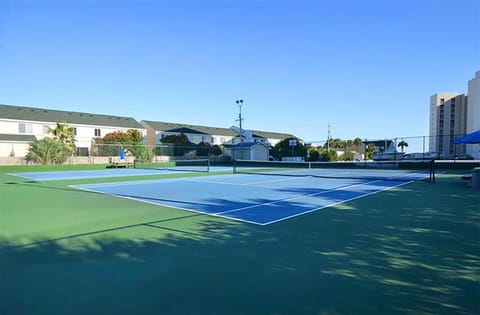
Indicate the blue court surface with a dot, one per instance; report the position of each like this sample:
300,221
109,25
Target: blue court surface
254,199
111,172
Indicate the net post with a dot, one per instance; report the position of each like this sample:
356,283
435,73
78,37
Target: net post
208,165
234,164
432,171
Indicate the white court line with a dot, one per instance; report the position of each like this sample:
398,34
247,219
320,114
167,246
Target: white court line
166,205
297,197
283,179
337,203
157,180
22,176
222,214
130,182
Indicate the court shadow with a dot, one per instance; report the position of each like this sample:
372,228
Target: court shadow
43,185
24,182
406,251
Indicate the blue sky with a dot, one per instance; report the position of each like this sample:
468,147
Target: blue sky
365,67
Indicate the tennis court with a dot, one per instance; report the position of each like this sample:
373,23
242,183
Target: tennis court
253,198
285,241
121,172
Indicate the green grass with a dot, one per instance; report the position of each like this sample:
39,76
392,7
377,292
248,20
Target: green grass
410,250
47,168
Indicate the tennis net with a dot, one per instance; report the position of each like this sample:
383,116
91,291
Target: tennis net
197,165
385,170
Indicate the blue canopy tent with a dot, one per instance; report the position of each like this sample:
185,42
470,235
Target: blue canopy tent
470,138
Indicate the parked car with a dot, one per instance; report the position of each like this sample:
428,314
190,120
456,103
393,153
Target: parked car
387,156
424,156
463,157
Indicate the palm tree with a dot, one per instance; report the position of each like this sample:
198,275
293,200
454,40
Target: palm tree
357,142
64,134
402,144
47,151
370,150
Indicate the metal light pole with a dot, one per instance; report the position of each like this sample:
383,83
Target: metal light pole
329,135
240,103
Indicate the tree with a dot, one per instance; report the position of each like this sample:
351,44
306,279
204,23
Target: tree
47,151
334,143
180,139
347,156
357,142
370,151
203,149
134,136
53,150
65,135
402,144
141,153
131,140
131,136
328,156
216,150
314,155
180,144
283,149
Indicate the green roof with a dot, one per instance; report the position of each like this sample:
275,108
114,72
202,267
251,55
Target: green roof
69,117
174,127
17,138
167,126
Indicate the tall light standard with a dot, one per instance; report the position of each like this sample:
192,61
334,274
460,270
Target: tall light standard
329,135
240,103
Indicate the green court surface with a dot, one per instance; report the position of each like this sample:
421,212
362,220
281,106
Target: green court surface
414,249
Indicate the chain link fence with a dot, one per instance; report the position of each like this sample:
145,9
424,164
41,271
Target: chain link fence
409,147
164,152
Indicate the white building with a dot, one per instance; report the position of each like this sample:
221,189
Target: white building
453,115
229,137
156,130
249,151
23,124
12,145
448,121
473,113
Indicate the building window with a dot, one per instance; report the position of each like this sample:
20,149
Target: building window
207,139
97,132
25,128
82,151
